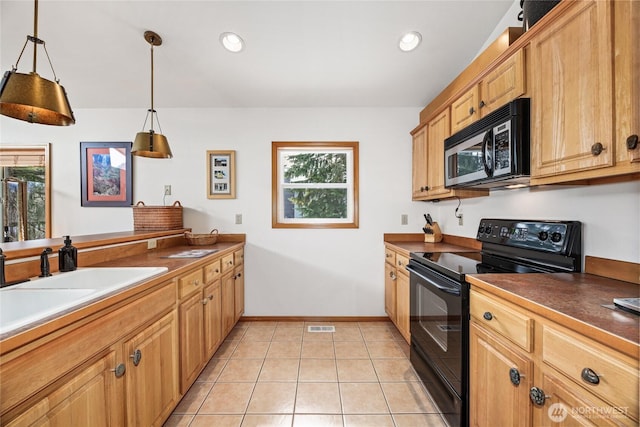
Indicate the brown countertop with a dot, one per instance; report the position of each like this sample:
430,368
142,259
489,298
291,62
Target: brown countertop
576,300
407,243
152,258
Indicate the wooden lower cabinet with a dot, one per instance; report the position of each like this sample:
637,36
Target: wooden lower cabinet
396,291
238,292
228,307
151,380
88,398
517,381
212,319
191,339
489,380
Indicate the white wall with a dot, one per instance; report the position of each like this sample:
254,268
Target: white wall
288,272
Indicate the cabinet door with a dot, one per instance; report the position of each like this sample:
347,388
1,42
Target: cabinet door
192,346
151,384
403,305
572,92
464,110
439,129
567,406
494,399
88,399
227,289
420,182
503,84
390,291
238,293
212,319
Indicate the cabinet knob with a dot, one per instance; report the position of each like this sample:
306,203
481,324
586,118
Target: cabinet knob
515,376
119,370
597,148
537,396
487,315
482,104
235,276
196,282
392,275
136,357
632,142
590,376
471,111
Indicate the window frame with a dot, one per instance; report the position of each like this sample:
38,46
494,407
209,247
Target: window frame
277,203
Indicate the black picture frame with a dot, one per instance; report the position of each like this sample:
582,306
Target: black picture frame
106,174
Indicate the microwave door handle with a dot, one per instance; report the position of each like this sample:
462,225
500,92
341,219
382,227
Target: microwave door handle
487,153
448,289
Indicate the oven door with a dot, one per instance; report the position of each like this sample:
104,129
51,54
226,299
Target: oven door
439,338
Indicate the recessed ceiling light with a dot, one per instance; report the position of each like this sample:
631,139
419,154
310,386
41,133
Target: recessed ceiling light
232,42
409,41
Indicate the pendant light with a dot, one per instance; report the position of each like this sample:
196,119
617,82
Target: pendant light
30,97
151,144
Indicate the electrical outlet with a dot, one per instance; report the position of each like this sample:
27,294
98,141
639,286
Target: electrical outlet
152,243
167,190
460,219
404,219
238,218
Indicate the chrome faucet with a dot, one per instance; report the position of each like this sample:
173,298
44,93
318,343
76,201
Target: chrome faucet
44,263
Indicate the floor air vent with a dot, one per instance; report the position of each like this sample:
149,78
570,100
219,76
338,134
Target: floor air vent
322,329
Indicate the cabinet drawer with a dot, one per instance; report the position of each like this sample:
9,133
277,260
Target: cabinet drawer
401,264
500,318
390,256
227,263
617,380
190,282
212,271
238,257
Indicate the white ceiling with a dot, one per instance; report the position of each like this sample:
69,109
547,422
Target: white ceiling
298,53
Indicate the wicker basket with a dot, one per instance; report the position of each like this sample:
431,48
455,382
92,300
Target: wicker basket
157,218
202,239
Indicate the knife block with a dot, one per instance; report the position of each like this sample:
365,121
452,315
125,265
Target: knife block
432,233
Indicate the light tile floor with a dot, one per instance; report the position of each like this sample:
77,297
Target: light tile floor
279,374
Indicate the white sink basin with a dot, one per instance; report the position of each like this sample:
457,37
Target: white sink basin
40,298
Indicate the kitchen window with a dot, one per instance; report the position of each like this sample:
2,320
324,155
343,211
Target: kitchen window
314,184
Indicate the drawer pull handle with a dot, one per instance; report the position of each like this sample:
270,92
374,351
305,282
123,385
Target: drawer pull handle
537,396
137,357
515,376
590,376
597,148
119,370
196,282
487,315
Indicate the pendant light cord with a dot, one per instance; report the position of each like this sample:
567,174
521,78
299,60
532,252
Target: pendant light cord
152,110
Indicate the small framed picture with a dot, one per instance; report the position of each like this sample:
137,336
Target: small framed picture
105,174
221,174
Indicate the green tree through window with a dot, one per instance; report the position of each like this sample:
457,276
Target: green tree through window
315,184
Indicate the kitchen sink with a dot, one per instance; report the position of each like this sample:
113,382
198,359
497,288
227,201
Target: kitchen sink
29,302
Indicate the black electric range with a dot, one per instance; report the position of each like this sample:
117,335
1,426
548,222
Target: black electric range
439,297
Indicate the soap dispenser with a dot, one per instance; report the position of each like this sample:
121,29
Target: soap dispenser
67,256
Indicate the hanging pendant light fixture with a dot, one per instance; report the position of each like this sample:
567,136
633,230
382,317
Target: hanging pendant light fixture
30,97
151,144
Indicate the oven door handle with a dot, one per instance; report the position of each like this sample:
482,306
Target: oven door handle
453,290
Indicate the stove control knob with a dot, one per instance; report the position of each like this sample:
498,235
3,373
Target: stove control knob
556,237
543,235
481,230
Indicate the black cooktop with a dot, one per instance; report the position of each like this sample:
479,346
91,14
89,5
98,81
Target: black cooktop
513,246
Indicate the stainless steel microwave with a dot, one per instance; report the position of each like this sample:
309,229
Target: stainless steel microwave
492,152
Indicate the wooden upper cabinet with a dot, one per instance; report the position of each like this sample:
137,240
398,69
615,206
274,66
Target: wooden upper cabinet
419,158
572,94
504,84
439,129
464,110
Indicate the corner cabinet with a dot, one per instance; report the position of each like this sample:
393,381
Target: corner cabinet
585,93
396,291
543,373
428,162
